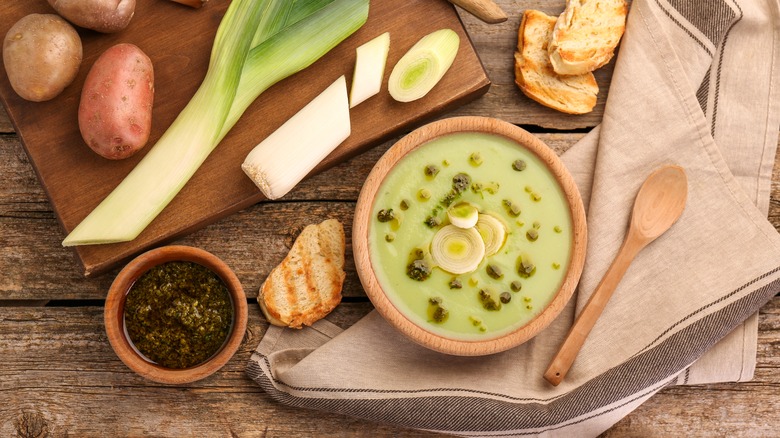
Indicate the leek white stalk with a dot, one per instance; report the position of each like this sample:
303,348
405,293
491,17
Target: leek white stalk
286,156
423,66
236,76
370,61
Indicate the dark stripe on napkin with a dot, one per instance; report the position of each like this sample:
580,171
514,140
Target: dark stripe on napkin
463,413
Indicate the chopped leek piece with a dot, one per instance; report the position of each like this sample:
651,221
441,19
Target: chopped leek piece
289,41
369,69
463,215
283,159
423,66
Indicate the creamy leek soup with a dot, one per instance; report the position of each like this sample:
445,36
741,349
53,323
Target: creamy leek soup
470,236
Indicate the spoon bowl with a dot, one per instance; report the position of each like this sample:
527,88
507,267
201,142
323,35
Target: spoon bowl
659,203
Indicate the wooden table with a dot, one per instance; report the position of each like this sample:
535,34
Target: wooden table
59,376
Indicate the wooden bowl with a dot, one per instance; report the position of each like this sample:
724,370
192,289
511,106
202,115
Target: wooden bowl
115,305
367,271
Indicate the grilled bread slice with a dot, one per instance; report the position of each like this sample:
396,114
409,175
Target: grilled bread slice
534,73
586,34
307,284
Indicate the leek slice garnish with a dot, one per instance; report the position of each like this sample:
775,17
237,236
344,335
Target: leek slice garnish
423,66
236,76
457,250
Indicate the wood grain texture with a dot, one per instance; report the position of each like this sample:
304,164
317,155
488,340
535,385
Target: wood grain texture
76,180
58,374
58,368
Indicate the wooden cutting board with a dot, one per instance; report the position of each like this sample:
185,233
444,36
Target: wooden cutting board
178,39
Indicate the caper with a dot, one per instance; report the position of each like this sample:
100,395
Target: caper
488,301
461,182
537,225
529,307
424,194
418,270
431,171
385,215
505,297
525,268
528,189
455,284
432,221
557,229
536,197
476,322
527,299
494,271
518,165
445,163
532,235
516,286
556,265
475,159
512,208
440,314
389,237
405,203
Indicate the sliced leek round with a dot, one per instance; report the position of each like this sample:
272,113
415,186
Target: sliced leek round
463,215
423,66
493,233
457,250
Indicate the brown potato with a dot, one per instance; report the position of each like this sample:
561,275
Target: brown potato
107,16
115,110
42,54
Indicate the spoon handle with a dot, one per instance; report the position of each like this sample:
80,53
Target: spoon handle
486,10
568,351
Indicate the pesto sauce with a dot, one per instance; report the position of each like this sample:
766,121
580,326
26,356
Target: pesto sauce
178,314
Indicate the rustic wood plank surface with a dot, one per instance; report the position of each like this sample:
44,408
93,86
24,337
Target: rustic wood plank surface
59,376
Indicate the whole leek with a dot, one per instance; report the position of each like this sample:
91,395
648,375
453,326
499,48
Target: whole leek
290,35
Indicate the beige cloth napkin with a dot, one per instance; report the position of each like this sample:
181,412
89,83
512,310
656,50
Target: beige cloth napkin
695,84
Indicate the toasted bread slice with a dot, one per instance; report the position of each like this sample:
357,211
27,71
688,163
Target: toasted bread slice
307,284
534,73
586,34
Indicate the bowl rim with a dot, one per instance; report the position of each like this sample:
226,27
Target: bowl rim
114,314
360,228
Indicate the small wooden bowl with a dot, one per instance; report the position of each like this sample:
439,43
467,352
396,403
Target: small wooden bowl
366,270
115,304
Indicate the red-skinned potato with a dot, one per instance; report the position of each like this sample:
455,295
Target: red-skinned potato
107,16
41,54
115,111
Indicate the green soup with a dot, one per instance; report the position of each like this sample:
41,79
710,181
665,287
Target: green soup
508,288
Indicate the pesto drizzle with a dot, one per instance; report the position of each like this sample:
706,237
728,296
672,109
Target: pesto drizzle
178,314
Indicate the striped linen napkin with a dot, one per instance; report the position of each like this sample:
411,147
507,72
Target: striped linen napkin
695,84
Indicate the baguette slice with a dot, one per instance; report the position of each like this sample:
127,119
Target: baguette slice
534,73
586,34
307,284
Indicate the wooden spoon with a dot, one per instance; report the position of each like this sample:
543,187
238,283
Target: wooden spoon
658,205
486,10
